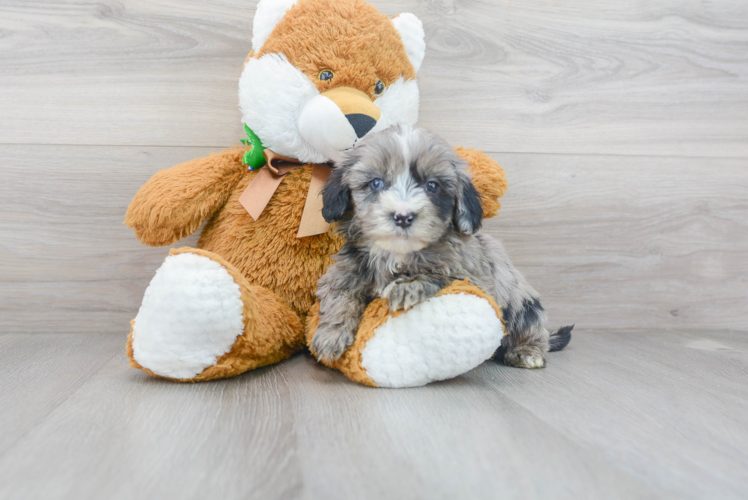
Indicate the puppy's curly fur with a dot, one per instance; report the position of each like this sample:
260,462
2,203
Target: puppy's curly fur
411,218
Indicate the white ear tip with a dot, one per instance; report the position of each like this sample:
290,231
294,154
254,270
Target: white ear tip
269,14
414,37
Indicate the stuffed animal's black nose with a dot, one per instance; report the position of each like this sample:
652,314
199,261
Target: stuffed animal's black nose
361,123
403,220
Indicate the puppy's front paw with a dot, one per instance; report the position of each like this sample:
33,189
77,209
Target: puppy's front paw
330,343
404,294
527,356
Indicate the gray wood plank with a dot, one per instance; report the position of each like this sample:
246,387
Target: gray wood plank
126,435
610,242
662,78
601,77
634,414
617,242
456,439
69,263
667,407
297,431
39,372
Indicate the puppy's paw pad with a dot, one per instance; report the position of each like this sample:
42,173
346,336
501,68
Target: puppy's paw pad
525,357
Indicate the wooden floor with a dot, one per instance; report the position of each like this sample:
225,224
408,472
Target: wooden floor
618,415
623,128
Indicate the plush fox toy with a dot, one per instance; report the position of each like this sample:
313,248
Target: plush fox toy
321,75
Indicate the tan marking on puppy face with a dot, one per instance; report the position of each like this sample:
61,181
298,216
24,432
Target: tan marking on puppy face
349,37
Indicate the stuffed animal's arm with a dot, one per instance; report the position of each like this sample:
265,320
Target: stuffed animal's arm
487,176
175,201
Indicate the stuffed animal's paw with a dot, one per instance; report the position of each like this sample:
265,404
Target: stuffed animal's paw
442,337
192,314
197,321
404,293
330,342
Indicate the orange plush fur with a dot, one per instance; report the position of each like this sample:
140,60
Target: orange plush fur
276,271
355,59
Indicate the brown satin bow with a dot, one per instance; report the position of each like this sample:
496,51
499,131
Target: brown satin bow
259,192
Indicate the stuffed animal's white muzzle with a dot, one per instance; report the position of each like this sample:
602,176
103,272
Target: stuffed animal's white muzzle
334,120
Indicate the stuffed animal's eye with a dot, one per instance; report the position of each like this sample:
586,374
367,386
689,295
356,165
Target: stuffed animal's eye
377,184
379,88
432,187
326,75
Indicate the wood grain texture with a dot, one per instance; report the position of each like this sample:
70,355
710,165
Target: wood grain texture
603,77
630,242
69,263
39,372
613,416
457,439
653,398
610,242
124,435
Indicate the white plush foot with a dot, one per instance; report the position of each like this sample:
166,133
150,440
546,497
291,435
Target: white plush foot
438,339
191,315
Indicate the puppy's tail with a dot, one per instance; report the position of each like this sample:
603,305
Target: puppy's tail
560,339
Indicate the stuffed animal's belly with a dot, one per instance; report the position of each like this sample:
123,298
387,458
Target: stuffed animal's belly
267,251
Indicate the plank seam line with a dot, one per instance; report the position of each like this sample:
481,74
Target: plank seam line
220,148
46,416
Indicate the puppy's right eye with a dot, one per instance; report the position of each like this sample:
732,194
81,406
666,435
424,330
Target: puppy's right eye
376,184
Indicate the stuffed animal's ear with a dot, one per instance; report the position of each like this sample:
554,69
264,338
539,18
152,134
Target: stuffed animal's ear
468,215
336,197
414,38
268,15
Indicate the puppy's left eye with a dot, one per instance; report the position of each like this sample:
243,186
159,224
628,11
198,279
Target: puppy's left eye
379,88
432,187
377,184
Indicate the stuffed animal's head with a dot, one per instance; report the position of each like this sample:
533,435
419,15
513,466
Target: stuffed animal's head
324,73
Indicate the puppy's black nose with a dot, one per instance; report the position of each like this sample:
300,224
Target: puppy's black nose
361,123
403,220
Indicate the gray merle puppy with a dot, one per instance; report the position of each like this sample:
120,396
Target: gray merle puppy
411,219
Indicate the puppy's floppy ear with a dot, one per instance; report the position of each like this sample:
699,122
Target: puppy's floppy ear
336,196
468,215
